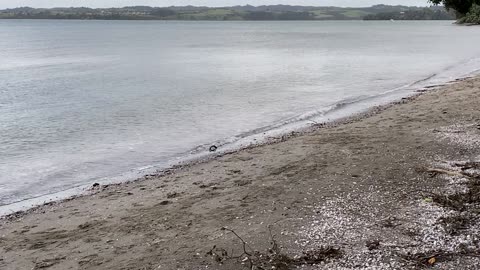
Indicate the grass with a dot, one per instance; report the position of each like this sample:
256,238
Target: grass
355,14
321,14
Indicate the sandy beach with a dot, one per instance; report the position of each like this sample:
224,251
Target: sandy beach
395,188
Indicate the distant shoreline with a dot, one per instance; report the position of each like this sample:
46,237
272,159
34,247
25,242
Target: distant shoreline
236,13
183,20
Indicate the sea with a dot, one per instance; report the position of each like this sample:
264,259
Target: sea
85,102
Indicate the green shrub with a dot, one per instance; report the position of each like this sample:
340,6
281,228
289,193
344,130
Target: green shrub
473,16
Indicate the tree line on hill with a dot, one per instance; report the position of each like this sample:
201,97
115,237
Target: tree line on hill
422,14
272,12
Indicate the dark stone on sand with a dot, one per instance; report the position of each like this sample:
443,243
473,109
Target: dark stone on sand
371,245
172,195
164,202
95,185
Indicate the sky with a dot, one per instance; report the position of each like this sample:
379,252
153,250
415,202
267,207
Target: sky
214,3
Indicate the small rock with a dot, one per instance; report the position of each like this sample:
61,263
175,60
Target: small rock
164,202
172,195
371,245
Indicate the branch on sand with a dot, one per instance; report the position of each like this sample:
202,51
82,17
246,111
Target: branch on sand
273,258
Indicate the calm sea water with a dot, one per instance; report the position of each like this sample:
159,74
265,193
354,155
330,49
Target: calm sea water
87,101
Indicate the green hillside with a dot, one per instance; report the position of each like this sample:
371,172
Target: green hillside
274,12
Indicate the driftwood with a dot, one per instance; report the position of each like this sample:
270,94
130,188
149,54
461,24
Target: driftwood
451,173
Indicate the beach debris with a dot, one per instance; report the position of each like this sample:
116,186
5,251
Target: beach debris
423,259
457,223
242,182
319,255
218,254
172,195
273,258
374,244
47,263
203,185
428,259
390,222
236,171
213,148
428,200
458,201
468,165
433,172
164,202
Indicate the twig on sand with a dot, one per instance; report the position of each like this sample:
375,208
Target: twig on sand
274,248
274,258
245,245
241,239
452,173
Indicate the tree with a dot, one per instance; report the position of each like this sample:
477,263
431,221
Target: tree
461,6
473,16
162,12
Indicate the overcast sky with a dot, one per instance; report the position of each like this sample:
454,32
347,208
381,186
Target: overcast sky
121,3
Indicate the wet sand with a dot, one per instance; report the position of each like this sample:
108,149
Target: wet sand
364,194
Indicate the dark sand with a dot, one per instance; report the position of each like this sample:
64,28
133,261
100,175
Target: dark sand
360,189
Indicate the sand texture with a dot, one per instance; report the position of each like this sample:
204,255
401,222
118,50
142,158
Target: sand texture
397,188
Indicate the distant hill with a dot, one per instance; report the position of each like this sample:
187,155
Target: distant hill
272,12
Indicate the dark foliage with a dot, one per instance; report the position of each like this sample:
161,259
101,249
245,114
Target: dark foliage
461,6
473,16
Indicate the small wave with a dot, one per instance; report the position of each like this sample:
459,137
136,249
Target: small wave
342,108
460,70
12,64
423,80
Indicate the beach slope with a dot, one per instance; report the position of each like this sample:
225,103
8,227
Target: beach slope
396,188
